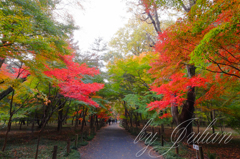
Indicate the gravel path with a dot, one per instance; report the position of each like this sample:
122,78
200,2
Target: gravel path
113,142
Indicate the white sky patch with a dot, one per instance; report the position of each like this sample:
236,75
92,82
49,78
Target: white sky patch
100,18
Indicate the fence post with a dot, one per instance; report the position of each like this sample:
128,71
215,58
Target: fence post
177,148
201,152
162,140
76,140
55,152
82,137
68,146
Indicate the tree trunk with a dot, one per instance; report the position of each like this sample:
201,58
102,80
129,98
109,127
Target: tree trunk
20,128
84,112
1,61
97,121
153,129
125,121
82,126
40,132
162,126
198,124
33,121
130,115
212,114
9,123
91,124
188,107
38,122
39,135
60,118
76,122
32,126
6,92
174,112
6,135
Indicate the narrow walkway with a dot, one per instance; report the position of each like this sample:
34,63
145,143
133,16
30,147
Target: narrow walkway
113,142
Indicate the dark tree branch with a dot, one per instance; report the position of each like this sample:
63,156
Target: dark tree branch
222,71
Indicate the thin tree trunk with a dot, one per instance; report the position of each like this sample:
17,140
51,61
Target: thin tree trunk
82,126
33,121
60,118
41,130
9,123
212,114
198,124
130,115
39,136
46,119
97,121
84,112
162,127
20,125
91,124
6,135
76,122
125,121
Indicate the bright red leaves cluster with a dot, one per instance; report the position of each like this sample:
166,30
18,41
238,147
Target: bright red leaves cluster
70,82
175,90
103,115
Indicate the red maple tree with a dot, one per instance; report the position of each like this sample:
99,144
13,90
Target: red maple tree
70,80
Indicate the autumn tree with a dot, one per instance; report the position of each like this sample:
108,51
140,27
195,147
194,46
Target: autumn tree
30,36
133,38
191,43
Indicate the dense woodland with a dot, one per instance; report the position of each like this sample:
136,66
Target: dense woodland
167,69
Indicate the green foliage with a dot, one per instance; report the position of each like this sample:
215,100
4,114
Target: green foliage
84,143
73,154
28,150
29,24
170,154
90,137
206,45
132,38
138,102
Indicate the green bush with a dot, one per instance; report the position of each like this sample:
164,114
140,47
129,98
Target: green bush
212,155
74,153
89,138
170,154
5,154
84,143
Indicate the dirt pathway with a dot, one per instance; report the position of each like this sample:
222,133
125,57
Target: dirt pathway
113,142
